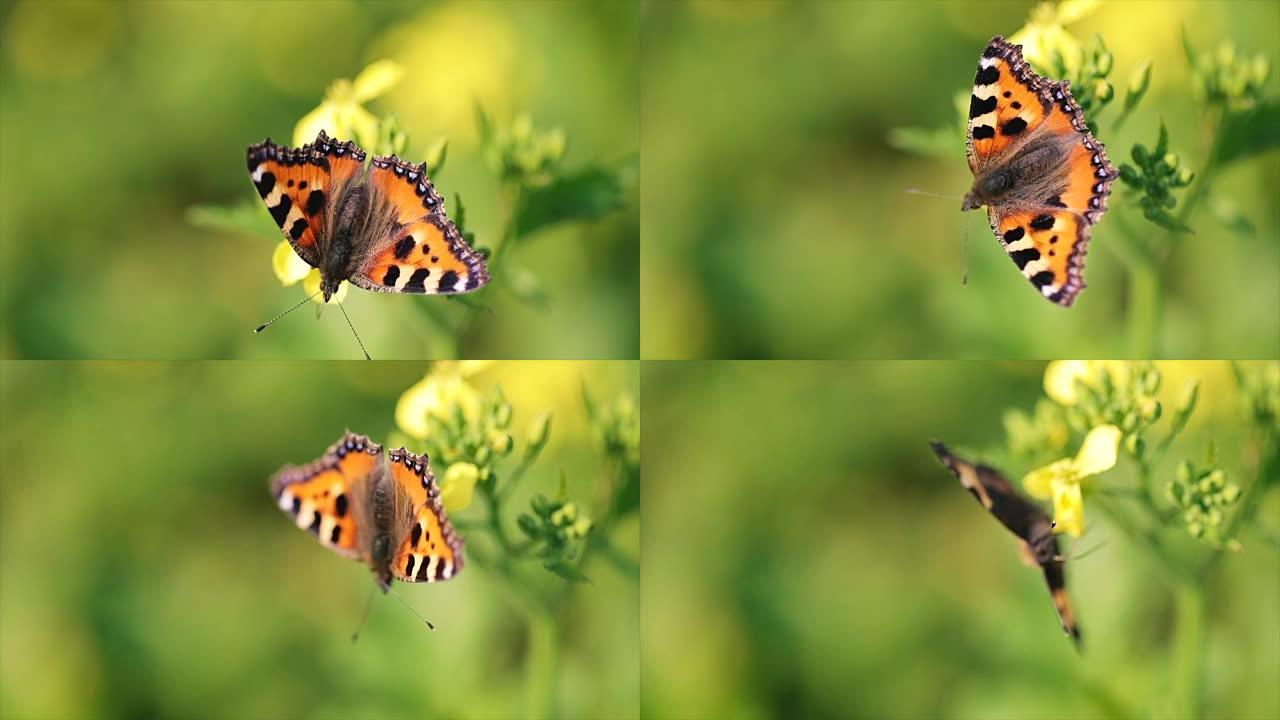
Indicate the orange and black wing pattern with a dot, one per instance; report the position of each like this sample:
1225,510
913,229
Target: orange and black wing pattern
430,550
1010,103
425,253
297,184
318,496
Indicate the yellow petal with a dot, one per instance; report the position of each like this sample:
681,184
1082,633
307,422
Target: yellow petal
289,268
458,486
1060,380
411,409
467,368
1098,453
1070,11
311,285
1040,482
1068,509
376,79
322,118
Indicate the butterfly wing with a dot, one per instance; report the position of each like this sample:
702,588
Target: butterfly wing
1024,519
319,497
424,252
1009,102
296,185
429,550
1047,233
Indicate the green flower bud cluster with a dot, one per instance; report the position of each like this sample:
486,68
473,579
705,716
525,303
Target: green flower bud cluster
1261,389
521,153
1228,77
1090,84
1125,398
557,528
617,428
480,441
1037,436
1157,175
1203,497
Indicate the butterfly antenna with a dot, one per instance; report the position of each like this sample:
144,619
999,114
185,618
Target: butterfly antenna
918,191
267,324
364,619
964,252
396,595
353,332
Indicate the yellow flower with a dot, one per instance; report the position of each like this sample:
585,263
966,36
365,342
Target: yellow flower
1060,481
288,266
435,395
1044,34
1060,377
311,286
341,113
458,486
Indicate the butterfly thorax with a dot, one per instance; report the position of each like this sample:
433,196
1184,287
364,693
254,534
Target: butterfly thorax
348,225
381,504
1026,177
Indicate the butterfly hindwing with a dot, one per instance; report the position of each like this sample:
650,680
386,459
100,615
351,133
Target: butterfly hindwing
429,551
424,252
320,496
297,184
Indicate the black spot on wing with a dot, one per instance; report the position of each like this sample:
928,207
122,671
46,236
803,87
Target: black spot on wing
422,571
297,504
1022,257
393,274
986,75
447,282
337,533
340,505
1056,201
299,227
417,281
416,535
408,566
314,527
1014,235
1042,222
315,202
266,184
979,107
404,247
1013,127
1042,278
983,132
281,212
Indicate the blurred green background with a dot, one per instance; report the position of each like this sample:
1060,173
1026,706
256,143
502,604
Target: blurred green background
116,118
775,222
147,573
806,555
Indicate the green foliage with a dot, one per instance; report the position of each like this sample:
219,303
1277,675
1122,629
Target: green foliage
1203,497
1157,175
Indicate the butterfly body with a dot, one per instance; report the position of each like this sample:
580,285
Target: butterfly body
381,227
1026,520
381,509
1041,174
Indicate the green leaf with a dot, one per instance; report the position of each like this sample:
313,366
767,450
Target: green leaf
626,498
930,142
246,217
483,126
1167,221
1248,133
589,403
1192,56
1162,145
566,570
435,156
529,525
587,194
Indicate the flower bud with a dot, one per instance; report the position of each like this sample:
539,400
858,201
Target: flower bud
499,442
1103,91
1171,160
1140,80
1231,493
1134,445
539,431
1140,154
1105,62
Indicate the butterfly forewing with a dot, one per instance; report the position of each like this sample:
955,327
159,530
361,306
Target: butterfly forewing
320,497
297,186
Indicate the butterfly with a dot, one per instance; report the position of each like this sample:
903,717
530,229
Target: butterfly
1042,175
381,509
1024,519
383,228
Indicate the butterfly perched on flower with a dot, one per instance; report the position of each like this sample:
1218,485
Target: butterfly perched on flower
383,227
381,509
1042,175
1024,519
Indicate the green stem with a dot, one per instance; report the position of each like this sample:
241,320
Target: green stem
543,663
1189,653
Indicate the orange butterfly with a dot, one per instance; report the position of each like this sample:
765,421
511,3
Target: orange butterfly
383,510
384,230
1042,175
